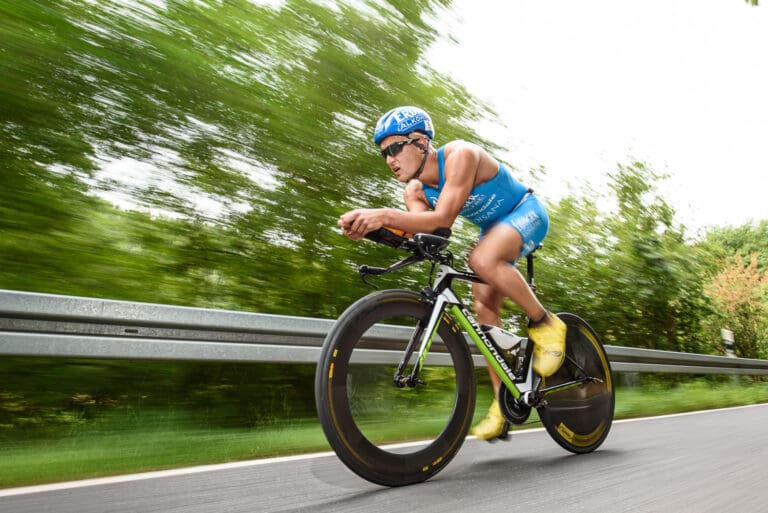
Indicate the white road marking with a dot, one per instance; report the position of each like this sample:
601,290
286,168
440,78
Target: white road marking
68,485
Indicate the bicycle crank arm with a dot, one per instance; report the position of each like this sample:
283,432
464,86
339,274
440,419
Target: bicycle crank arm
535,398
569,384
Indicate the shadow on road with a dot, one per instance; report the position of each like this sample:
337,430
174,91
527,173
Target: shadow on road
473,473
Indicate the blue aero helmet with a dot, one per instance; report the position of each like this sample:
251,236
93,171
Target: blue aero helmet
403,121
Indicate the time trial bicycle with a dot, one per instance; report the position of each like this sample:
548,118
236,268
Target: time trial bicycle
397,366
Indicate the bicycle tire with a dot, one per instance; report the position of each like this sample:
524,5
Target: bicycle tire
579,418
348,395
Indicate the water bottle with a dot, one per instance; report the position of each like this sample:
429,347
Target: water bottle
509,343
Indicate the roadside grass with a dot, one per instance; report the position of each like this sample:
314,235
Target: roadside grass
661,398
110,449
117,445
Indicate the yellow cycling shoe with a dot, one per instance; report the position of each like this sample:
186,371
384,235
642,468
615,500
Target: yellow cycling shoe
548,346
493,426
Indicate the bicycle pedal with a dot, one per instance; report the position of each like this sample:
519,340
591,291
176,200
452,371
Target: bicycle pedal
504,436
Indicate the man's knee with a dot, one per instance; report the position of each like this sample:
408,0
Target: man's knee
480,263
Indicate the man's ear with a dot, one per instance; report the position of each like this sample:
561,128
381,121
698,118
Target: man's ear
423,146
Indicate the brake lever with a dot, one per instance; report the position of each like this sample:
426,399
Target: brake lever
372,285
365,270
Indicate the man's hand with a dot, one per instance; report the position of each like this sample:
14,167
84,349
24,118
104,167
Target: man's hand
356,223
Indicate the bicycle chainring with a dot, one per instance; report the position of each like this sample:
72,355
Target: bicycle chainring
513,410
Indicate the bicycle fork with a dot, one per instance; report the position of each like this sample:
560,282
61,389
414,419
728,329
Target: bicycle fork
426,334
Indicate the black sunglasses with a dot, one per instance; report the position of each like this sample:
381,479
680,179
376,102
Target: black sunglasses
395,148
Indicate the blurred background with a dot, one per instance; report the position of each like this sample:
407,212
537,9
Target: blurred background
199,154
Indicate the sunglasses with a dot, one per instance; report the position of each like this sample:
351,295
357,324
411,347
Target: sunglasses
395,148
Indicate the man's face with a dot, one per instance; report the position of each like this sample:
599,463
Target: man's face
403,157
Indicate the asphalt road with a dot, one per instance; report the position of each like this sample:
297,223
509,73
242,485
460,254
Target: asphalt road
712,461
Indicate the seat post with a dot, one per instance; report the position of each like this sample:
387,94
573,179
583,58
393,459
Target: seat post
529,262
531,282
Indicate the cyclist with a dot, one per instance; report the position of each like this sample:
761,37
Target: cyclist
461,178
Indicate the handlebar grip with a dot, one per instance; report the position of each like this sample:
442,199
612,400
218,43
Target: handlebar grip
401,233
440,232
398,239
364,269
389,236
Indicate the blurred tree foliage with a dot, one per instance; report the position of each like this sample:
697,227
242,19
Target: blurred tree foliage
618,257
739,290
199,153
232,134
41,397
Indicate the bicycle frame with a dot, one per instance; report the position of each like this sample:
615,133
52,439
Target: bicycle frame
445,299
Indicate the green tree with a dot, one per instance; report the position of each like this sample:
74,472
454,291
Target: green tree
627,269
738,302
740,292
242,130
746,239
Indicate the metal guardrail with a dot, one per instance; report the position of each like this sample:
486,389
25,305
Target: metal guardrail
50,325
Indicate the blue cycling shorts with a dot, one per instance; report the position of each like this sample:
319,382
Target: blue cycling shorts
531,221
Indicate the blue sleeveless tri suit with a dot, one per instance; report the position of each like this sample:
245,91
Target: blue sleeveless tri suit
502,199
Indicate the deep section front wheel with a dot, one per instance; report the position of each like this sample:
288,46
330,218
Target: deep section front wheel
579,416
387,433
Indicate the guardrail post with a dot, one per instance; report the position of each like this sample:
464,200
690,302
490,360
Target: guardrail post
729,342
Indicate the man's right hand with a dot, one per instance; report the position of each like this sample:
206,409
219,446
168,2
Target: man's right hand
356,223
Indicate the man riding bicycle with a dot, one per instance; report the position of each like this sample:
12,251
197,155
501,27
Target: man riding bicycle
461,178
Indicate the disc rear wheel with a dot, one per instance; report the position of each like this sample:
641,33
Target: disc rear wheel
578,416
